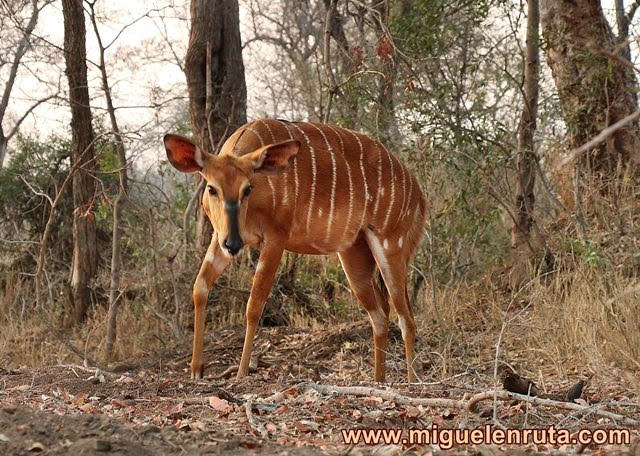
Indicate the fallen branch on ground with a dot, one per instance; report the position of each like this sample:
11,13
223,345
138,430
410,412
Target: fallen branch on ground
252,421
384,394
469,405
507,396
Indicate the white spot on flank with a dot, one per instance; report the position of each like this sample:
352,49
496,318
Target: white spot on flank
400,242
385,243
382,191
319,212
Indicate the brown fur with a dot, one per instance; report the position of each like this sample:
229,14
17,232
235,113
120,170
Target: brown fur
326,189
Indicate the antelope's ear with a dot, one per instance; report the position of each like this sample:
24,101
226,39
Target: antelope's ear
183,154
274,158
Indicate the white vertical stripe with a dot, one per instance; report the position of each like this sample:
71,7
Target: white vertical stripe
393,190
364,178
375,207
271,186
255,132
273,193
334,177
404,188
406,210
269,180
266,124
313,175
295,171
346,162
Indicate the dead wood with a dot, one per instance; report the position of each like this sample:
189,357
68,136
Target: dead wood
470,405
508,396
384,394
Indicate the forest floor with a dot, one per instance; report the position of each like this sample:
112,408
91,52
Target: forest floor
150,406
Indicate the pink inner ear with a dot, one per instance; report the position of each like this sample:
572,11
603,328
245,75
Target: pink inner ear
181,154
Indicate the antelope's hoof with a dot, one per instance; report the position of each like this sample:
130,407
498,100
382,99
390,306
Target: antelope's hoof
197,373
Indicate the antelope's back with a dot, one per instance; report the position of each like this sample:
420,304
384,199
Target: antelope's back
339,183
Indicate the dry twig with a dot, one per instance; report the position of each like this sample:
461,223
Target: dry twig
469,405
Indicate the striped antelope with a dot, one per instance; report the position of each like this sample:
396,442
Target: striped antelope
308,188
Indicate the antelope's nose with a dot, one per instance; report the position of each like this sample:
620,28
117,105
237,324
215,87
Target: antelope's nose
233,245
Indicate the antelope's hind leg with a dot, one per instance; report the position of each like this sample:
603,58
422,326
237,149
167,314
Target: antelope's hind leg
393,264
359,266
215,261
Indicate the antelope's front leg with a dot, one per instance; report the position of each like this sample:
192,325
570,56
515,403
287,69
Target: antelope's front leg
262,282
215,261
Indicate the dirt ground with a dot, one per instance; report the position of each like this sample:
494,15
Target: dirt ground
150,406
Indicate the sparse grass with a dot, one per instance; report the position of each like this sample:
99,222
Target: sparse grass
579,317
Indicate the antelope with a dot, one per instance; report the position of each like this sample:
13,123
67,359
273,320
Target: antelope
308,188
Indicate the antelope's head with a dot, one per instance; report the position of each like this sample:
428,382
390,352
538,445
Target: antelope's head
229,181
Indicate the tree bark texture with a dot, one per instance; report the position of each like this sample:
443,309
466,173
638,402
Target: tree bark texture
623,21
118,206
21,49
85,255
386,121
215,79
526,159
593,84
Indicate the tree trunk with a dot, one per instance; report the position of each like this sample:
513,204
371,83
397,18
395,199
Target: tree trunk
4,143
623,21
526,160
215,79
593,84
20,51
386,121
118,206
85,254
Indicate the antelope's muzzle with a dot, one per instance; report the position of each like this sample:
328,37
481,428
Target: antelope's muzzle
233,242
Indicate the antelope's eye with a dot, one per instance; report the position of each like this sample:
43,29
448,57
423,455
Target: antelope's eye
246,191
212,190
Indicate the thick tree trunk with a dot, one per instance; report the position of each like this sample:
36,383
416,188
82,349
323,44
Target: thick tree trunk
594,88
215,78
85,254
526,160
